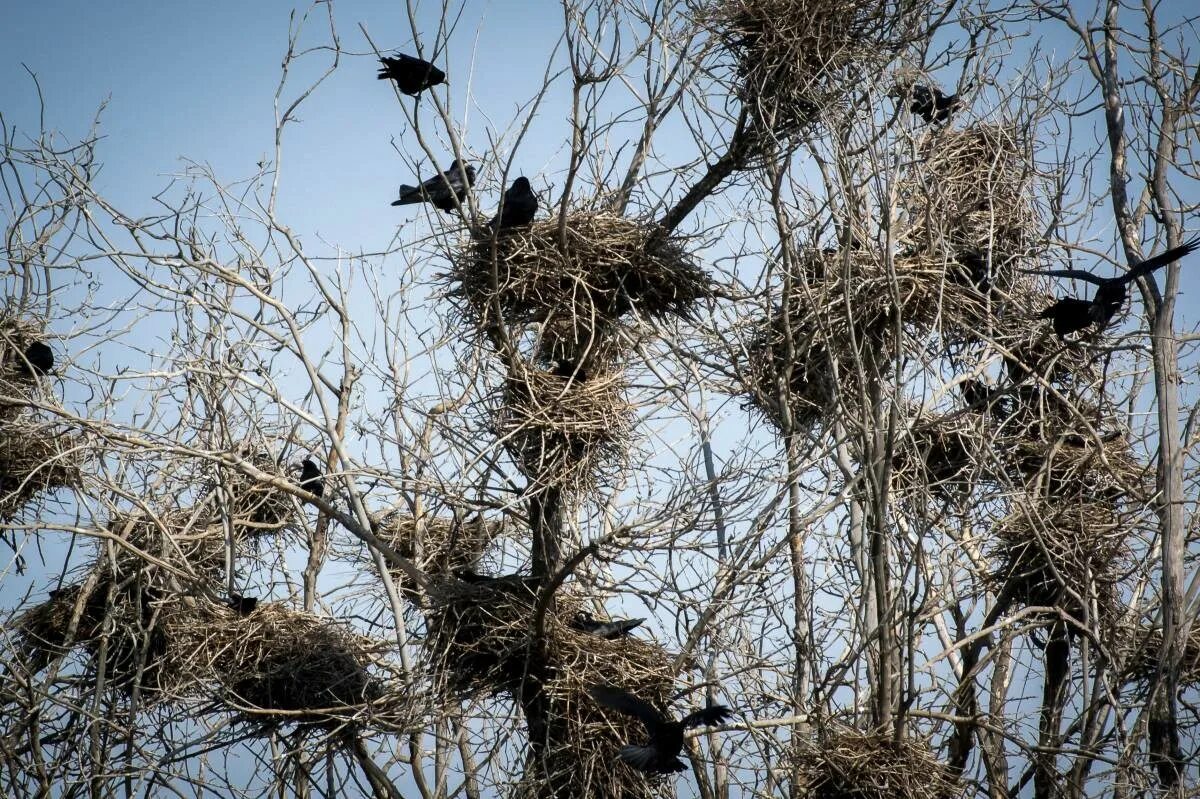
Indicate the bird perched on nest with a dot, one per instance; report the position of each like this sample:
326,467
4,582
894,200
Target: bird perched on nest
38,359
412,75
930,104
310,478
617,628
972,267
567,369
1071,314
518,207
444,192
661,754
244,605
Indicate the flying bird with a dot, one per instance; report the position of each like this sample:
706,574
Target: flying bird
38,359
661,754
244,605
518,207
412,75
310,478
444,192
1071,314
617,628
929,104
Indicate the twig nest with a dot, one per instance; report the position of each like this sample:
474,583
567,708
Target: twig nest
188,539
848,764
595,269
1139,647
438,545
1068,556
35,457
258,509
16,334
563,430
794,57
941,454
969,191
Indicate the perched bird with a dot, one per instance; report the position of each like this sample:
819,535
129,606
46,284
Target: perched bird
510,582
518,207
929,104
38,359
568,369
412,75
982,398
617,628
444,192
661,754
310,478
1071,314
244,605
972,268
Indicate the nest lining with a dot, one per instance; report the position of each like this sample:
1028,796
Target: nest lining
438,545
563,431
35,457
850,764
604,267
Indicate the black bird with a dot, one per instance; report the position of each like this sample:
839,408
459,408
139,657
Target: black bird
972,268
565,368
661,754
310,478
518,208
1071,314
617,628
38,359
412,75
932,105
441,191
508,582
244,605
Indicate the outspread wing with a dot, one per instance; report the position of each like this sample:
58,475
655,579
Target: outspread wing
642,758
1163,258
1074,274
707,716
629,704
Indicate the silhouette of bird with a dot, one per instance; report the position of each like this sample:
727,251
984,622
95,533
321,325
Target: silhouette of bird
244,605
38,359
565,368
932,105
310,478
980,397
1071,314
412,75
972,269
509,582
518,208
661,754
443,192
617,628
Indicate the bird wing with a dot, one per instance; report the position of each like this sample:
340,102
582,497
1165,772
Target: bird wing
1162,259
1074,274
625,625
642,758
629,704
707,716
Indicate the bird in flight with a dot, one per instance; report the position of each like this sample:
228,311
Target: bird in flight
617,628
38,359
929,104
310,478
443,191
1071,314
518,207
412,75
661,754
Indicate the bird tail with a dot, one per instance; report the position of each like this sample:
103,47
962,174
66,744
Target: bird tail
408,195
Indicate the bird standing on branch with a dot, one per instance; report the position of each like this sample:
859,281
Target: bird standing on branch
310,478
412,75
661,754
929,104
617,628
444,191
518,206
1071,314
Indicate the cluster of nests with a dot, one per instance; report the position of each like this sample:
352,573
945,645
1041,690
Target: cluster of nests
844,763
561,292
482,638
35,456
796,57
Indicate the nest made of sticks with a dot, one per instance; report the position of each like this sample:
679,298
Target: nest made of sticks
35,457
258,509
599,267
971,191
940,454
1064,555
1139,647
795,57
560,430
845,763
16,334
190,540
437,544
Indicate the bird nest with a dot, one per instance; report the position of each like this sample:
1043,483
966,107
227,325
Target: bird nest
597,268
277,664
1139,648
438,545
940,454
795,57
16,334
190,540
971,190
258,509
563,431
1068,556
35,457
849,764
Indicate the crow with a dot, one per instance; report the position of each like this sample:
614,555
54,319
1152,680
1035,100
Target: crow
569,370
310,478
38,359
412,75
517,208
617,628
444,191
244,605
930,104
661,754
1071,314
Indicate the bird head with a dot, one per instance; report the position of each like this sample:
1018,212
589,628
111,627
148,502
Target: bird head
521,185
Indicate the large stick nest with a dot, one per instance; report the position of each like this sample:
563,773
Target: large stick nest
258,509
796,56
600,268
940,454
1064,555
438,545
191,540
1139,646
560,430
35,457
850,764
